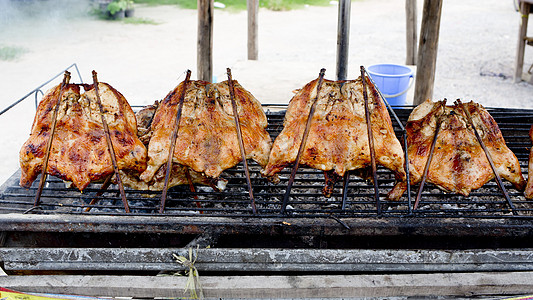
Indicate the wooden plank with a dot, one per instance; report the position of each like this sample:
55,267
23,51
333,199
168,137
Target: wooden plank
520,49
411,32
427,50
253,12
205,40
309,286
274,260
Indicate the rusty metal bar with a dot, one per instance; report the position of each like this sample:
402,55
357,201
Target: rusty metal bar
489,157
436,227
38,89
371,143
304,141
239,138
110,143
173,140
66,79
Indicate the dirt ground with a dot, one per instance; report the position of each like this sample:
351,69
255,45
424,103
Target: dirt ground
477,47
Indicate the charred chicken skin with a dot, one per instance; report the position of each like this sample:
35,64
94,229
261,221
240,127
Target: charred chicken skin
207,138
338,137
79,151
459,163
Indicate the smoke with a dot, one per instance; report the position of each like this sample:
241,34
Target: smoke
37,16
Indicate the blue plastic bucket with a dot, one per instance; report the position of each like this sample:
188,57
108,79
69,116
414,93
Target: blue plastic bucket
393,81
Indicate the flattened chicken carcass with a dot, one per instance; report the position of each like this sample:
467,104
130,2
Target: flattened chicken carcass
338,136
459,163
179,175
207,137
79,151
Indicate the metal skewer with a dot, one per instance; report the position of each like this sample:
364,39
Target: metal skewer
304,141
428,162
66,79
489,157
110,144
239,138
173,139
371,143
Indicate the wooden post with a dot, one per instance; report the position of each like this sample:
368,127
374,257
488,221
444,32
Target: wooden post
205,40
519,64
427,50
410,24
343,38
253,8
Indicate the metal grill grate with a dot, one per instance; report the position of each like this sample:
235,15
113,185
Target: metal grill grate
306,196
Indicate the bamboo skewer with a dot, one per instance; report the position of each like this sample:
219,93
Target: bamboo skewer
110,144
173,140
304,141
66,80
239,138
103,188
346,177
399,123
428,163
371,143
408,180
192,188
489,157
346,182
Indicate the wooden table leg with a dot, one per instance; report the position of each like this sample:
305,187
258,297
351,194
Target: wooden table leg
519,66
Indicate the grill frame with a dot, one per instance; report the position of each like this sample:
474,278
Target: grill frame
308,216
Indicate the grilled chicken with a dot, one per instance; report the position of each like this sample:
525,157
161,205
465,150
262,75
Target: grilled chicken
207,138
338,138
79,151
459,163
529,187
179,175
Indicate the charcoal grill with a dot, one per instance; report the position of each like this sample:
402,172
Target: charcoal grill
225,218
306,200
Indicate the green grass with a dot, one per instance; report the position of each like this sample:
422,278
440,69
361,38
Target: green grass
241,4
135,20
8,53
